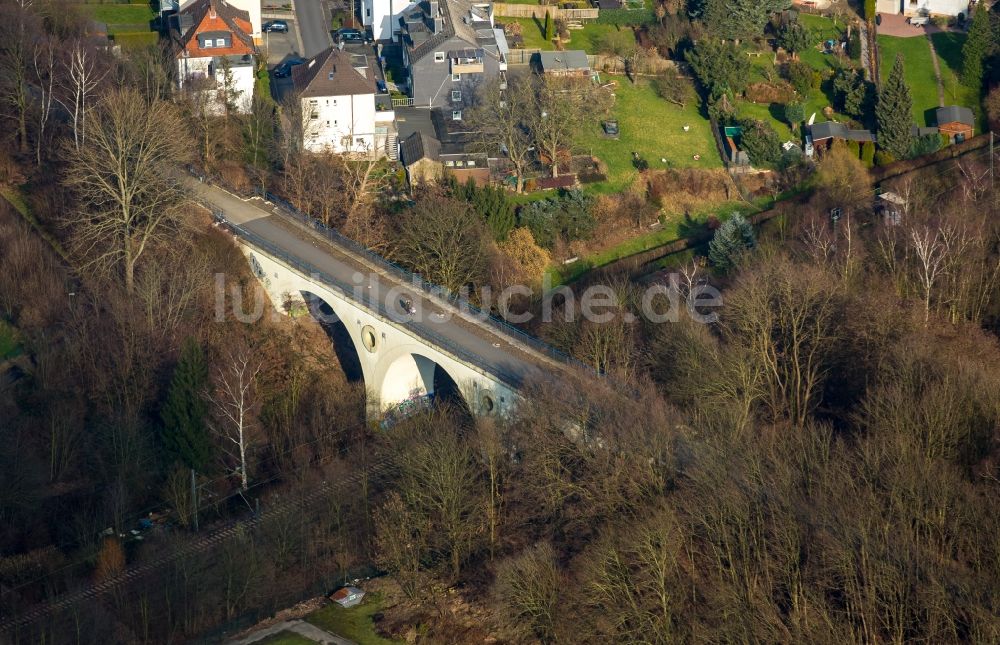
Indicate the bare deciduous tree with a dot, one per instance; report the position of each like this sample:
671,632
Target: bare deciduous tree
17,27
235,401
527,588
556,114
124,174
441,240
79,81
44,64
500,120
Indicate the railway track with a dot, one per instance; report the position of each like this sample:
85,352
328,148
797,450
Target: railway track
194,547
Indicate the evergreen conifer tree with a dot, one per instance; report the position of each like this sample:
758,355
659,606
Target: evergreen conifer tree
978,46
185,434
894,113
734,238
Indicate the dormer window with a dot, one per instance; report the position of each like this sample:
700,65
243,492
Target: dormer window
438,57
220,42
208,43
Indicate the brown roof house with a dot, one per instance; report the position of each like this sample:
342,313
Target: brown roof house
339,111
959,123
215,54
427,159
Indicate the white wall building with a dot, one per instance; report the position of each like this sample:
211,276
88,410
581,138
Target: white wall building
383,16
924,7
339,110
214,53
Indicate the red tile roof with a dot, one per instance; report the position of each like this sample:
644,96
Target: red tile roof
216,16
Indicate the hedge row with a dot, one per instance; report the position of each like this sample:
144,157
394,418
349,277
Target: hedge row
626,17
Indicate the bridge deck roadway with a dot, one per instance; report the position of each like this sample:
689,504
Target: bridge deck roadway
496,353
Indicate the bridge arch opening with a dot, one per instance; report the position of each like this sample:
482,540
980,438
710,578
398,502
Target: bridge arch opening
343,344
413,381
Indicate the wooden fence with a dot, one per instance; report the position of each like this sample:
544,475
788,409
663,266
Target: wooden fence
501,9
521,56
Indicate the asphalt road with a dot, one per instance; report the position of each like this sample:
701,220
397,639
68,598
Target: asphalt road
492,350
313,26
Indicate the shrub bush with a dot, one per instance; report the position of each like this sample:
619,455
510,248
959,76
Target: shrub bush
761,142
868,154
883,158
800,75
777,92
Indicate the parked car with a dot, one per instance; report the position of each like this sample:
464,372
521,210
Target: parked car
284,70
381,87
279,26
346,35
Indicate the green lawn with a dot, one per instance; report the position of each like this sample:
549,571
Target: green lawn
653,128
919,70
814,102
532,31
589,38
287,638
949,49
354,624
822,29
121,17
669,232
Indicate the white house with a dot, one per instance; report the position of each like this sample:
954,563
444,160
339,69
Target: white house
214,53
339,110
924,7
383,16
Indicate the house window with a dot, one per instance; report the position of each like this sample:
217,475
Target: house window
449,164
368,12
438,57
220,42
459,163
456,78
208,43
471,163
456,96
456,115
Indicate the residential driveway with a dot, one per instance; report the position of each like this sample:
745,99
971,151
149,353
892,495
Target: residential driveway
897,25
278,47
314,26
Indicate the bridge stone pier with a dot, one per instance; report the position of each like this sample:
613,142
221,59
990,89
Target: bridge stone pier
399,354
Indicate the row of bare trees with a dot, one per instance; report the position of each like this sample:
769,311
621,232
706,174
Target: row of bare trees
813,467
